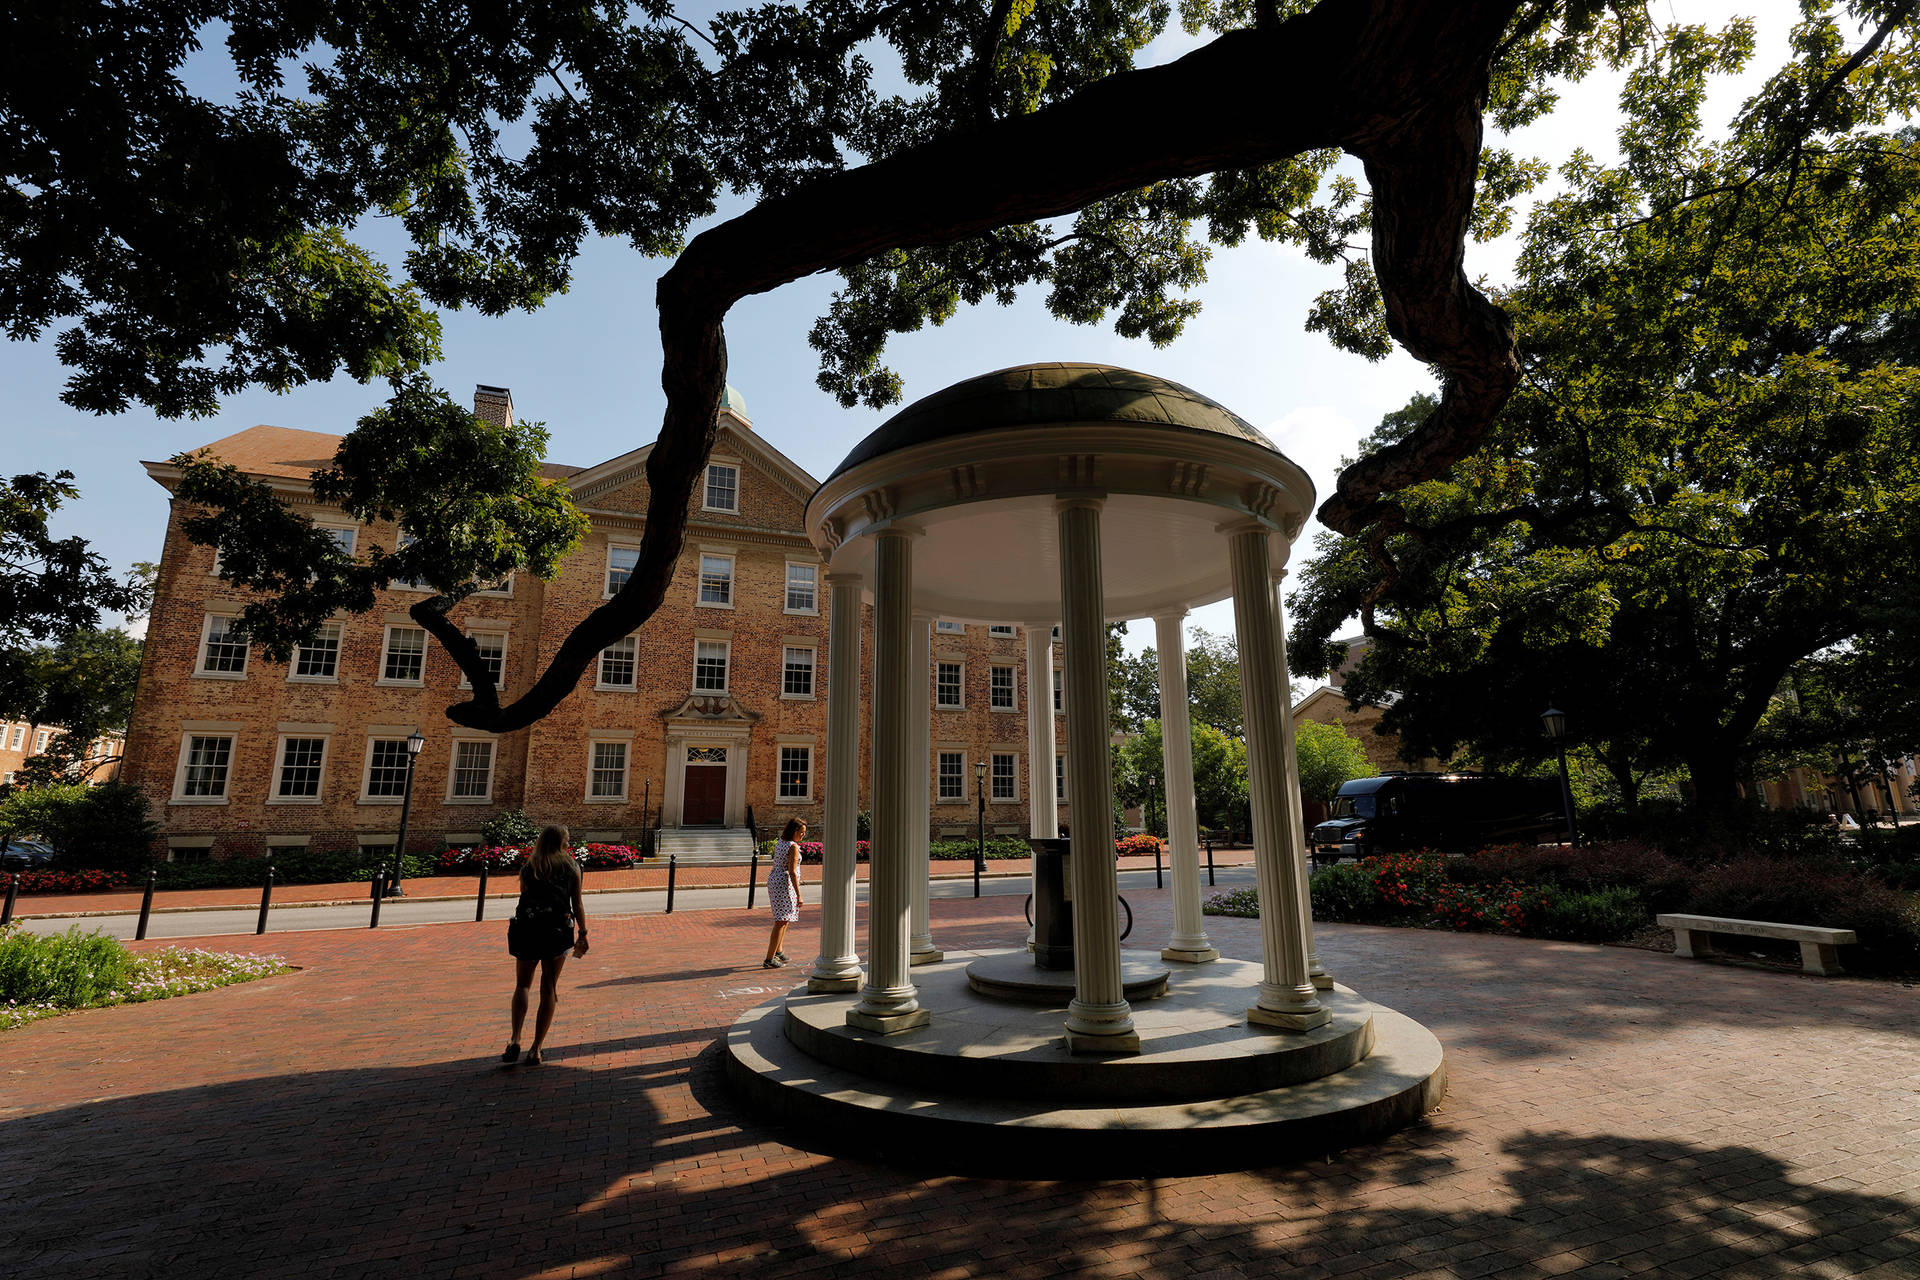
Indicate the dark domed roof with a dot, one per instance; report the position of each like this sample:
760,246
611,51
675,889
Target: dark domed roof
1032,395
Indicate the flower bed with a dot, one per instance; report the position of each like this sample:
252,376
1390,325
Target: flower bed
1140,846
84,881
43,976
594,857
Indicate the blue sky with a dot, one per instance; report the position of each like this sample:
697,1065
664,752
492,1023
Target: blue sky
588,364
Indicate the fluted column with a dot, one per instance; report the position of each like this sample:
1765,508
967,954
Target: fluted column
1287,997
1297,831
920,945
888,1001
1189,942
1099,1019
837,967
1043,802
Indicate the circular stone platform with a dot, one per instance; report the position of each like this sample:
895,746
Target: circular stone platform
1012,975
990,1084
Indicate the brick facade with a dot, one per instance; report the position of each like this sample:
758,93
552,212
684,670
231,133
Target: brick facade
239,754
20,742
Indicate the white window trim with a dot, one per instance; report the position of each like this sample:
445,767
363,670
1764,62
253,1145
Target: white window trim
1060,686
279,761
813,683
787,575
386,640
965,781
942,627
807,747
626,770
606,565
601,686
342,526
504,592
339,653
700,576
453,759
366,770
180,767
1015,797
200,671
473,630
1013,683
1003,630
694,681
949,706
732,464
1060,780
401,541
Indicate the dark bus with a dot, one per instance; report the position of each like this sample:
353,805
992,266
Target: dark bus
1454,812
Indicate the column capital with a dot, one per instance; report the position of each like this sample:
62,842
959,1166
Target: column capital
897,529
1170,615
1092,501
1247,524
834,576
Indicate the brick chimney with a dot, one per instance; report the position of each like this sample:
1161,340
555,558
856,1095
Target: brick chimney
495,404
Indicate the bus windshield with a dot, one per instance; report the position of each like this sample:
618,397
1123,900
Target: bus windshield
1352,807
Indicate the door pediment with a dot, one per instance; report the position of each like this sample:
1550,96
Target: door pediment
710,710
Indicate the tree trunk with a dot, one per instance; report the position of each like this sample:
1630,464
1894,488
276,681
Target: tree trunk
1716,785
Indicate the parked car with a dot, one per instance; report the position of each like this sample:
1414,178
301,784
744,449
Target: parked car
1450,811
26,855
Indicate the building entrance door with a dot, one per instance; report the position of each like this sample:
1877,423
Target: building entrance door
704,803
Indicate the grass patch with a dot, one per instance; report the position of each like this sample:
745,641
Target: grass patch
41,976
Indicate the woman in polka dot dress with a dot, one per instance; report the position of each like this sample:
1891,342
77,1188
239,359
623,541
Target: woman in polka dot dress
783,890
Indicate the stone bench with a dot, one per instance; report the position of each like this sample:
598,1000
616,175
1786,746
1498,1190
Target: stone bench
1819,947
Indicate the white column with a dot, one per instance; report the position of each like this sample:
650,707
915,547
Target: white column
1098,1019
1043,802
920,945
1297,831
837,967
1286,991
1189,942
888,1001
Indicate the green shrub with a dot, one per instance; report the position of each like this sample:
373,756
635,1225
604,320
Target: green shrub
1345,892
67,969
863,825
1660,882
288,868
511,829
999,848
1589,915
34,812
104,826
1822,893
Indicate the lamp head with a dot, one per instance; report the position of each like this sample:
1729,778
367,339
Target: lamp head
1555,721
415,741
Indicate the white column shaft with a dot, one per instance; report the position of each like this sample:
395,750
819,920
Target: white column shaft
837,967
1296,831
889,988
1099,1006
1189,941
1043,803
920,944
1286,991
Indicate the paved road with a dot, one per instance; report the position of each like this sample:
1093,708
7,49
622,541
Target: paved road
402,912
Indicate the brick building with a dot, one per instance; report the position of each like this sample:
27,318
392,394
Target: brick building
714,709
20,742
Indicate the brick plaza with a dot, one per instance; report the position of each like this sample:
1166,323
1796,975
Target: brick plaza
1611,1112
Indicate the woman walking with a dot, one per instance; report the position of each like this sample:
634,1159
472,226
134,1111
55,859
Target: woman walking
783,890
542,932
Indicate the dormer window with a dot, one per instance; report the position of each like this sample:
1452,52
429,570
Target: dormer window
723,487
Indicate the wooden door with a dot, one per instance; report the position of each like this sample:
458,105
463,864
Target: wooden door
705,801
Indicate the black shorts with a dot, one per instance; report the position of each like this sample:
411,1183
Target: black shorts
537,940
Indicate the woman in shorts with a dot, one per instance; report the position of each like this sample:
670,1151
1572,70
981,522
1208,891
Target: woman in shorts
542,932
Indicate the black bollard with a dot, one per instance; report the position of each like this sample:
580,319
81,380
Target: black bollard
379,884
266,899
753,879
1156,867
146,906
1209,861
480,906
673,871
13,891
976,877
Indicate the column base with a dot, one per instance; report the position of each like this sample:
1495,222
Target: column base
888,1024
1256,1016
929,956
1081,1042
1322,981
819,986
1184,955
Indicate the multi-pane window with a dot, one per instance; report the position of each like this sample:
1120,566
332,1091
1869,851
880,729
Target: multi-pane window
950,628
609,771
300,763
406,656
1000,693
710,666
796,773
493,652
617,664
19,737
1060,779
387,768
410,584
472,770
723,487
225,652
953,776
798,679
946,684
342,538
318,657
1000,629
208,757
1004,786
41,739
620,565
716,580
1059,691
803,588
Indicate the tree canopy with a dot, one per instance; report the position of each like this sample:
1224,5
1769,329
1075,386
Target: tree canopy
1710,472
1213,685
183,247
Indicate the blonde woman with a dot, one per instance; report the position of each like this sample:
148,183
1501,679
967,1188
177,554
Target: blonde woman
783,890
542,932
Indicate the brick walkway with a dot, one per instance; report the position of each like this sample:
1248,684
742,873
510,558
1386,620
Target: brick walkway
1612,1112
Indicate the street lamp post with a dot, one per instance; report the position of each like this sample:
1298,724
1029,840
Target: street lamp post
1555,721
980,850
414,742
646,807
1146,812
